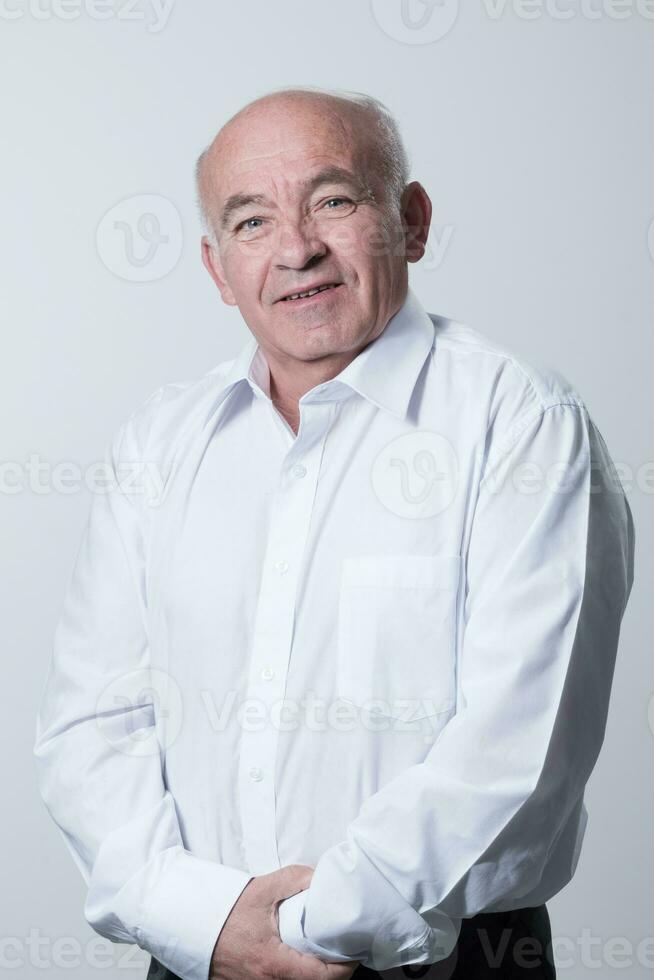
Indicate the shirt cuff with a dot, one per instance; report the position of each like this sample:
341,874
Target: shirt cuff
290,914
395,945
187,911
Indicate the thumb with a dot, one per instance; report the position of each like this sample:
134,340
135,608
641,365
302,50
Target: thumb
292,878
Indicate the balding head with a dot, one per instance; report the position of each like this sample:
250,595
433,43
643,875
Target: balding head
358,118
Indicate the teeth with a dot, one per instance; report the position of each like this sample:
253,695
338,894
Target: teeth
311,292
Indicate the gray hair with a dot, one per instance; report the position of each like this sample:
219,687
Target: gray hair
392,159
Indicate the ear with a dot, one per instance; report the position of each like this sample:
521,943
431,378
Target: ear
416,219
213,265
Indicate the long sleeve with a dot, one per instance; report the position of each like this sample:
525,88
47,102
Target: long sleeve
475,826
98,756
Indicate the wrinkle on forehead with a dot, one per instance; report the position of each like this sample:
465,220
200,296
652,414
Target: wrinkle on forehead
283,128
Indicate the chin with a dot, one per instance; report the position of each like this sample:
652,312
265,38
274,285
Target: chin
317,341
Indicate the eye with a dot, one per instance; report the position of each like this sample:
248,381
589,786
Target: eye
337,207
247,224
337,201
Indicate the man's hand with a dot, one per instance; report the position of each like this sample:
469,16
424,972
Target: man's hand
249,947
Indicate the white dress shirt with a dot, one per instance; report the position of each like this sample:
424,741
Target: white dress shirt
383,647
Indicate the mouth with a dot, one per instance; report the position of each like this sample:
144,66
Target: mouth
310,294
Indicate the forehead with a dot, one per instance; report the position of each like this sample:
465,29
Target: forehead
285,143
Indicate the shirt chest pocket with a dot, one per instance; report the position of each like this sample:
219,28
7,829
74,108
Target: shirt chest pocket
397,633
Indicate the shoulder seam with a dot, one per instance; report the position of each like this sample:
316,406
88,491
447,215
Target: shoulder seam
154,399
512,436
515,360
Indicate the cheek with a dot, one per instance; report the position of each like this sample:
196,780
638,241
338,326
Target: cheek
245,265
366,243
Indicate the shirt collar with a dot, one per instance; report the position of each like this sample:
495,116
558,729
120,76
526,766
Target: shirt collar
384,373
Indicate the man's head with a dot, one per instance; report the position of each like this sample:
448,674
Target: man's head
306,188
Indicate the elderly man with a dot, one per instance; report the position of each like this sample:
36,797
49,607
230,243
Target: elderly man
327,705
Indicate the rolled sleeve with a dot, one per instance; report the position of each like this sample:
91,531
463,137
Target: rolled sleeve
477,825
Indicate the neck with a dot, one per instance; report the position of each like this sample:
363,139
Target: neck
290,379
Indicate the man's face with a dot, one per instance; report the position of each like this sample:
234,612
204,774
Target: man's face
297,203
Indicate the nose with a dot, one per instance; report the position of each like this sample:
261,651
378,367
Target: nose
299,246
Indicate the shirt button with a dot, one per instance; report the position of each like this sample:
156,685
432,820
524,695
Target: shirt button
299,471
255,773
281,566
267,673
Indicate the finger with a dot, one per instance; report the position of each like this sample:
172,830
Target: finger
303,966
340,971
291,879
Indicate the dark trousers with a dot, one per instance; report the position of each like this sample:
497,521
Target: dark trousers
491,946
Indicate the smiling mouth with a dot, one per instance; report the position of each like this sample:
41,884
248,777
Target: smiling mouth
310,292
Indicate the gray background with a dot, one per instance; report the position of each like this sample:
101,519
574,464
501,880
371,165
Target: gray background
532,131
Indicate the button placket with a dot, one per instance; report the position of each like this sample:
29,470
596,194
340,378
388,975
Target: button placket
273,635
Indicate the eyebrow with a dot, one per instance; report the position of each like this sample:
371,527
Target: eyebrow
329,175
